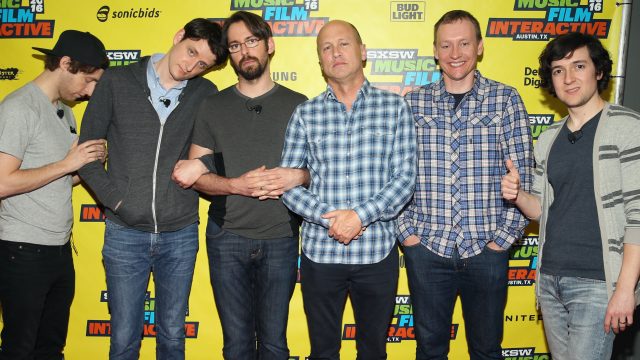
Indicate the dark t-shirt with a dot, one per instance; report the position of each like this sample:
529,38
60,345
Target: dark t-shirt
246,133
573,245
458,98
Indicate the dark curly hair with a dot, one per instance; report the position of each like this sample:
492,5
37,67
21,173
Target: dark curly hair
563,46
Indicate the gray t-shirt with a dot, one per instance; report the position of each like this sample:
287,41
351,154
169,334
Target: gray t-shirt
246,133
31,131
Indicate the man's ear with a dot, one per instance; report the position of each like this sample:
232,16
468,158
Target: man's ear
64,63
480,47
178,36
271,46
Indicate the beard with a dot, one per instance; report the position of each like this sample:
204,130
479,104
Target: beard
250,73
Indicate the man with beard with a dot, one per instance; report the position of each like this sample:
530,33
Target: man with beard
252,239
38,160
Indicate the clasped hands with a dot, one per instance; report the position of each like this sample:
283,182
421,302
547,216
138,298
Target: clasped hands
261,183
344,225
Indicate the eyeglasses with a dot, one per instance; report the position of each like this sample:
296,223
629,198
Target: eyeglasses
249,43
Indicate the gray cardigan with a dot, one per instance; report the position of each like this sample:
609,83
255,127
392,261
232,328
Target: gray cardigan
142,151
616,177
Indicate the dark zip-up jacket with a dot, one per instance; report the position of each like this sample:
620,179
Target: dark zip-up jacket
142,151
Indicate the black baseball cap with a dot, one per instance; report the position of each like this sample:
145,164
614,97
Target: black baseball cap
79,46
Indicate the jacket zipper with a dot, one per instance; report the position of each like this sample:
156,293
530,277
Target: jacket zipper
155,172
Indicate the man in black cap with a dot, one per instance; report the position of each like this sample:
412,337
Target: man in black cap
39,156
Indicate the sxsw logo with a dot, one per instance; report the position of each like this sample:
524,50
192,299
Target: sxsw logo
525,353
123,57
539,123
103,327
413,70
401,326
525,253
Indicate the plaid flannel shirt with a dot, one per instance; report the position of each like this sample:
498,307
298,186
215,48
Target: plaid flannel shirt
458,202
362,160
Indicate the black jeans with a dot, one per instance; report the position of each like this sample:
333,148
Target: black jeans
372,288
36,290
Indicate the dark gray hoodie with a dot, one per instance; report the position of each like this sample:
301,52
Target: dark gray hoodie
142,151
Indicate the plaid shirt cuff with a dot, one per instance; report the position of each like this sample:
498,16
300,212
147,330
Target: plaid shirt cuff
366,213
405,232
504,238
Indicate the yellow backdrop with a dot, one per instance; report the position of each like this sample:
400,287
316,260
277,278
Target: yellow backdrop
398,35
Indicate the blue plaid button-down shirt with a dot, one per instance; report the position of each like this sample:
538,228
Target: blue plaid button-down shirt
362,160
458,203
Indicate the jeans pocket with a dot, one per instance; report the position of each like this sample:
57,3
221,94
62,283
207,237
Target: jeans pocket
214,230
109,224
412,246
491,251
25,254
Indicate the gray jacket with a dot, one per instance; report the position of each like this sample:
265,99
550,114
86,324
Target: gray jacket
142,151
616,180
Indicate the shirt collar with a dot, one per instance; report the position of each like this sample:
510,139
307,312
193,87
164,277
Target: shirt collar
364,91
478,89
152,74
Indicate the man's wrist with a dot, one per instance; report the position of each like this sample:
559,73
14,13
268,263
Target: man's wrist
298,177
494,246
361,212
232,188
202,167
66,167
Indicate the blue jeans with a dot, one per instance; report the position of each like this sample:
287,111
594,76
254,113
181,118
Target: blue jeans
573,310
435,282
129,257
253,281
